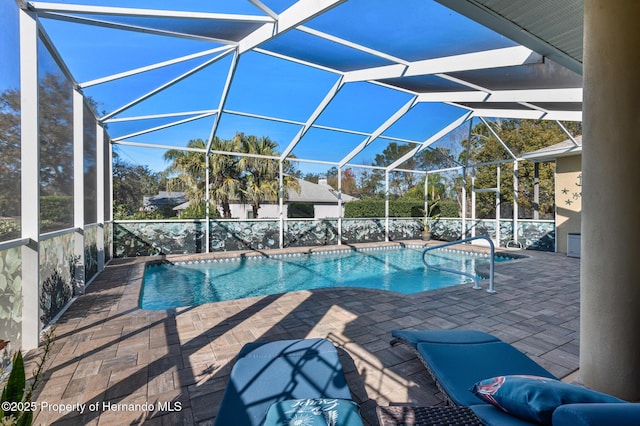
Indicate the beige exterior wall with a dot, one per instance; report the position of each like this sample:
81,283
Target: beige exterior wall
568,198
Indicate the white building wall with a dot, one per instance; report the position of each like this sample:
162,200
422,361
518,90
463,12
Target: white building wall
321,211
266,211
271,211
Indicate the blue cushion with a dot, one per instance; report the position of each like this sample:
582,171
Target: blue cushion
265,373
413,337
457,367
597,414
295,348
534,398
313,412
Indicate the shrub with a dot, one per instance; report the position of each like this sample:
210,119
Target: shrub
375,208
57,209
447,208
9,229
18,391
372,207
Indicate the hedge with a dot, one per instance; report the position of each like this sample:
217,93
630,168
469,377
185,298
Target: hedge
375,208
398,208
57,209
447,208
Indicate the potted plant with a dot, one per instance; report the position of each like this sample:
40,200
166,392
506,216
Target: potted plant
426,232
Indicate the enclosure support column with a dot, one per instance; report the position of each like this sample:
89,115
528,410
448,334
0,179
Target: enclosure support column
473,204
78,193
536,191
281,201
463,229
609,267
207,202
100,166
515,202
30,185
339,205
498,205
109,166
426,201
386,205
465,171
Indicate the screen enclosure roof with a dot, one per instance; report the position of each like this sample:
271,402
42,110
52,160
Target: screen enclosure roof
330,81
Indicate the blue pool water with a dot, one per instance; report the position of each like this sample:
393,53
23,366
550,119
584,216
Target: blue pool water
401,270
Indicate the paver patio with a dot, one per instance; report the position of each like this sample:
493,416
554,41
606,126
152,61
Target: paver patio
128,365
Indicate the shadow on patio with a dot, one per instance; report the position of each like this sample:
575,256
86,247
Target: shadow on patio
128,365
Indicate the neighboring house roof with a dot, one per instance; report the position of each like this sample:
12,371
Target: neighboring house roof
315,193
164,198
182,206
550,153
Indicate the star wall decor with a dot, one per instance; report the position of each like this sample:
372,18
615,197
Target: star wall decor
574,195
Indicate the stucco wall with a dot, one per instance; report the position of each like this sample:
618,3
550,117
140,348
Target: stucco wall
568,198
272,211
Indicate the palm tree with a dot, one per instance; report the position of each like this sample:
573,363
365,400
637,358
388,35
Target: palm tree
251,180
260,175
225,174
189,169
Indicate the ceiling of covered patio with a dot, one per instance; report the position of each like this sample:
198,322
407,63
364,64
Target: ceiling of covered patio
334,82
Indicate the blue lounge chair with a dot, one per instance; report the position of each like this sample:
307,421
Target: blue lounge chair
271,383
460,359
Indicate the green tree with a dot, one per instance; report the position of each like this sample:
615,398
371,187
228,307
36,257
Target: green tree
519,136
332,177
233,178
130,184
399,182
437,189
370,184
10,154
56,135
311,177
189,172
260,176
224,175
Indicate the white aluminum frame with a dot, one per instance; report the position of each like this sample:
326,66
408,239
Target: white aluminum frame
30,185
267,27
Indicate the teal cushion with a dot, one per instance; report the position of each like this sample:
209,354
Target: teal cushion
534,398
413,337
457,367
314,412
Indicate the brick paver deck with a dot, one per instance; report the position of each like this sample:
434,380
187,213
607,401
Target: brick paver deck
128,365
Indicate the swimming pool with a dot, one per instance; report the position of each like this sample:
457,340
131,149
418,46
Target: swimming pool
172,285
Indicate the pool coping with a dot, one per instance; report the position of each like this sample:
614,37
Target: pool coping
141,263
310,250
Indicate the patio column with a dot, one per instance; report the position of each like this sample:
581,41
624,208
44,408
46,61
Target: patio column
30,183
100,192
77,279
610,292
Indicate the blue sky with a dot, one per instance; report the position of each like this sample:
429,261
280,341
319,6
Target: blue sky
265,85
9,46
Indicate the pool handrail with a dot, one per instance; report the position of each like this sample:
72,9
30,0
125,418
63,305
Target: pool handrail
465,240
